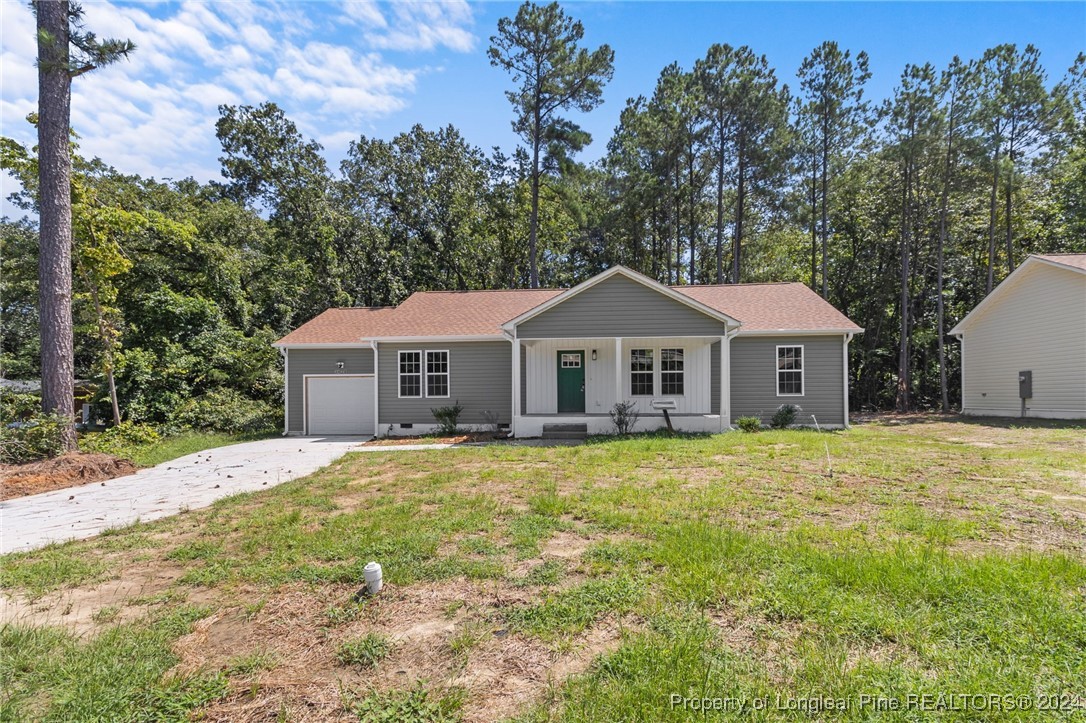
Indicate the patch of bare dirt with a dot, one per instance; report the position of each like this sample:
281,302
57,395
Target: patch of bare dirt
463,438
443,635
82,609
68,470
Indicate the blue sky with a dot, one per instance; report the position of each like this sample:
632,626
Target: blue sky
341,69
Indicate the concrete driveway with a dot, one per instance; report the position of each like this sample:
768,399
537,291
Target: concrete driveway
188,482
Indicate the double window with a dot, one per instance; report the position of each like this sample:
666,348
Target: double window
789,371
424,370
643,372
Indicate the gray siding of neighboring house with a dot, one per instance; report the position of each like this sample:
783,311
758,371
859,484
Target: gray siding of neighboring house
754,378
619,306
714,381
318,361
480,379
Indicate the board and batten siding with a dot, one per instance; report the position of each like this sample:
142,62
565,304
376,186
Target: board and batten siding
754,378
480,379
302,361
619,306
1039,325
714,377
540,363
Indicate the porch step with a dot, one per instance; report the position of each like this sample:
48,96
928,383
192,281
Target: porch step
565,431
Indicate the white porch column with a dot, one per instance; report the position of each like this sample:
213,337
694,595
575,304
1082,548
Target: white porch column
618,370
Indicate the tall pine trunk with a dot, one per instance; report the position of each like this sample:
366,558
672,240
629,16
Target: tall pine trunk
1007,213
940,310
814,222
992,218
55,226
720,211
693,211
902,401
825,219
740,211
533,223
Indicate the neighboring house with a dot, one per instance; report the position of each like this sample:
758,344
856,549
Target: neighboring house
83,391
528,359
1024,345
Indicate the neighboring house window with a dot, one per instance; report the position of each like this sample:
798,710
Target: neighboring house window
789,371
671,372
437,373
410,373
641,372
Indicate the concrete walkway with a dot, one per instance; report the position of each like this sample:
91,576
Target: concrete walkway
187,482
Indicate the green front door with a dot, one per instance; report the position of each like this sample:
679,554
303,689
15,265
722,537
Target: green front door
570,381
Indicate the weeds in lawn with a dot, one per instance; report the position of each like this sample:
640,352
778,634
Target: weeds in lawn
418,705
364,652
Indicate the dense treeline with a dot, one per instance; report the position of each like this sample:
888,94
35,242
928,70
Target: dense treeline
902,213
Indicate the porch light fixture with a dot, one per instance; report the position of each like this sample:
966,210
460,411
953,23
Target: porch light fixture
593,355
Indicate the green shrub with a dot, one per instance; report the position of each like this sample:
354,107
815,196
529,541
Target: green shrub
16,407
227,410
447,417
624,416
120,440
784,417
33,437
749,424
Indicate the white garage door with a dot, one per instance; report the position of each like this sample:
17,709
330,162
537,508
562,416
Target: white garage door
339,405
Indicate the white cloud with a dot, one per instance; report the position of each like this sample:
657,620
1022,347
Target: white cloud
414,25
154,114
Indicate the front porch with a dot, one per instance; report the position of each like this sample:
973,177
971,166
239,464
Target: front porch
578,380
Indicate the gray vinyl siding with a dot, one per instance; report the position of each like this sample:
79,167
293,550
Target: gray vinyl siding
318,361
714,381
619,306
480,379
754,378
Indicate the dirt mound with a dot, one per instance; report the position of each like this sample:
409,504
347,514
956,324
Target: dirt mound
68,470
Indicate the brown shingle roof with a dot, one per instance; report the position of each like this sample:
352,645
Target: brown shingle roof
761,307
1077,261
772,307
424,313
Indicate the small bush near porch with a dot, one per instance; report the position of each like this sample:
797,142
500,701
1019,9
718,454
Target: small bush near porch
939,556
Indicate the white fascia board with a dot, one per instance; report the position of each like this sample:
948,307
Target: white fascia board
797,332
633,276
367,343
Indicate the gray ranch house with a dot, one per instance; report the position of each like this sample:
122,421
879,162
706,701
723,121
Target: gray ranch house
528,359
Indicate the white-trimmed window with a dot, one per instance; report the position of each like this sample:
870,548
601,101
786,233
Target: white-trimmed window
641,372
437,373
672,372
410,363
571,361
789,371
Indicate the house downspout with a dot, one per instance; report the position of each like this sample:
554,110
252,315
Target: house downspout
961,360
286,390
844,365
376,393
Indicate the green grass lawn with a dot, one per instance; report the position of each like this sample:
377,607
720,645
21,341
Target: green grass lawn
610,581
